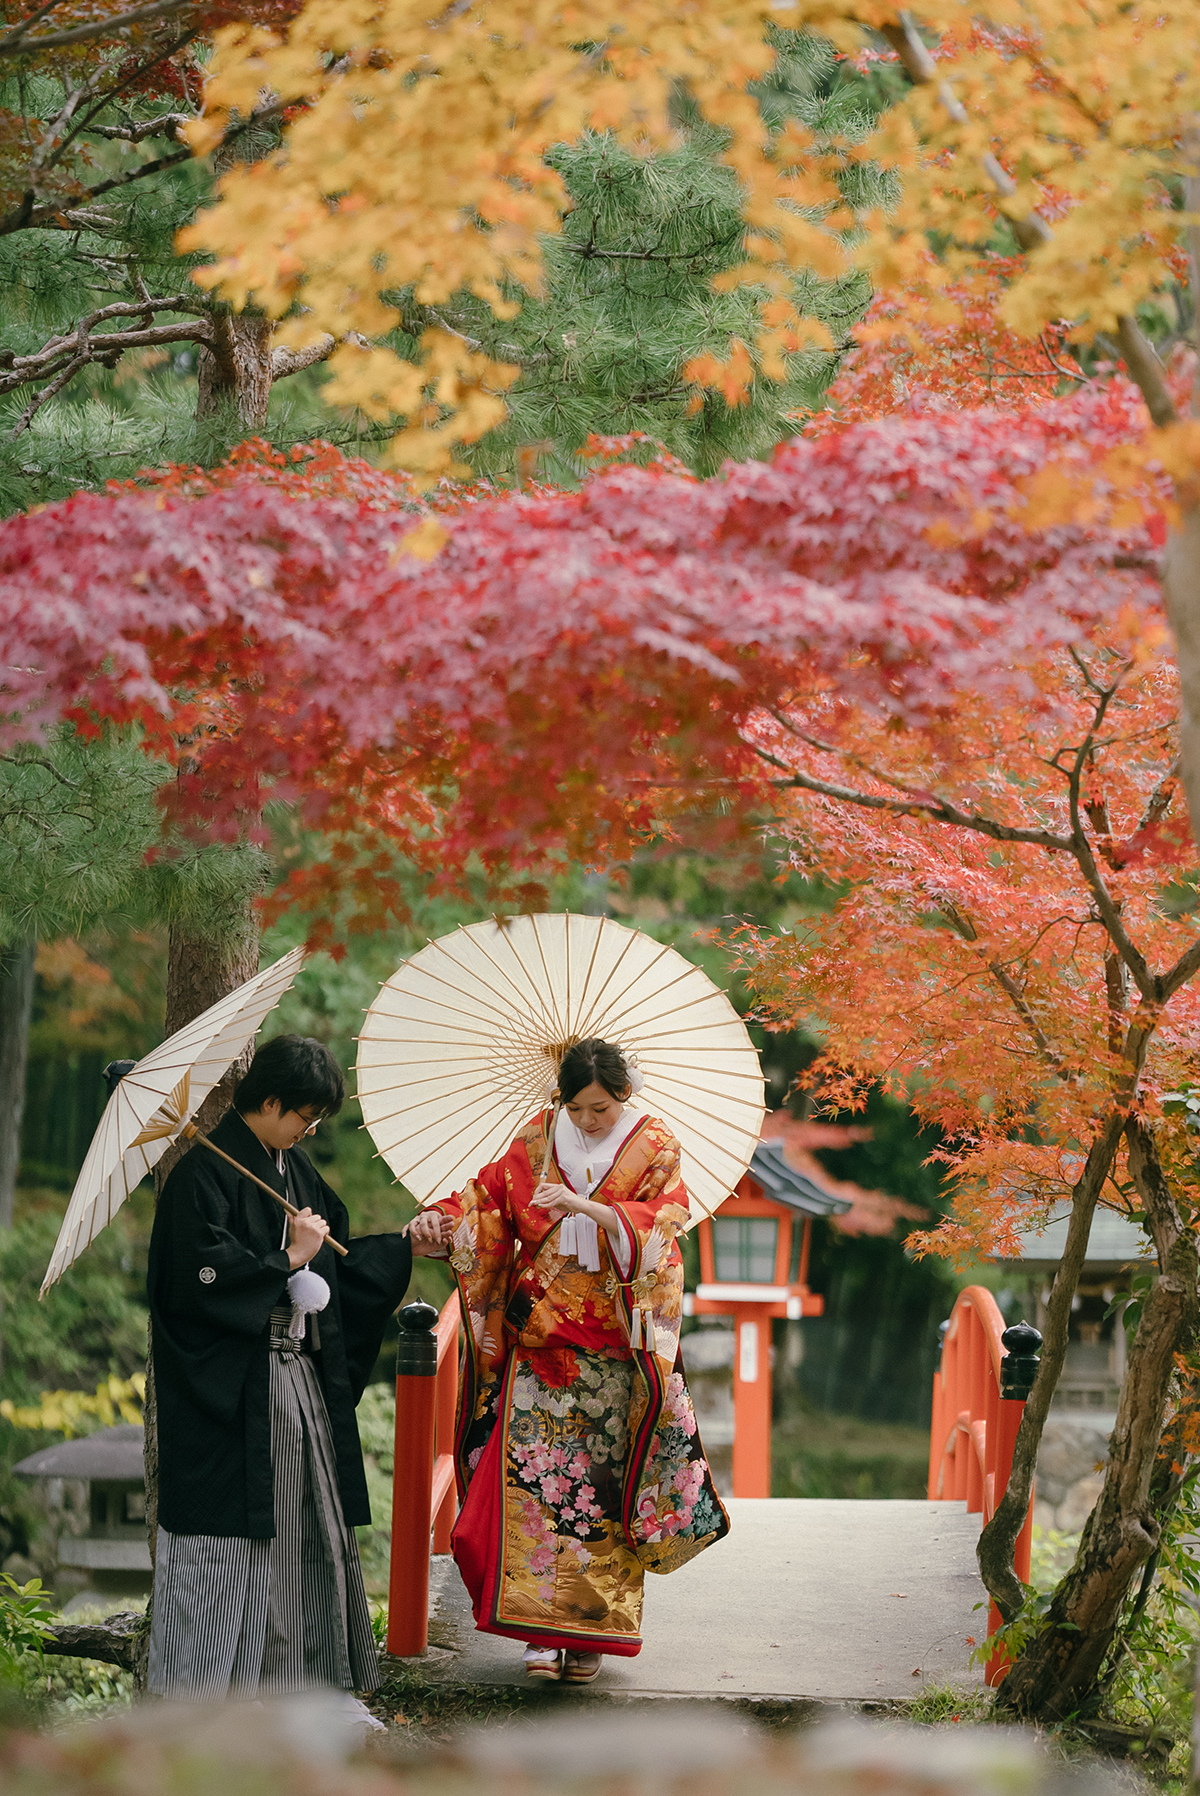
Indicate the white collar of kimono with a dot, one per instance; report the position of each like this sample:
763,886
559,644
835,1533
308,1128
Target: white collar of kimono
586,1160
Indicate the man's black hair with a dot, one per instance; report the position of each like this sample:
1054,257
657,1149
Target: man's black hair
297,1070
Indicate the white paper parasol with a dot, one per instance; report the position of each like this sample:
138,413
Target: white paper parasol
462,1044
156,1099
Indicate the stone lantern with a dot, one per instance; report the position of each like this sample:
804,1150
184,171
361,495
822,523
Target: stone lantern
113,1553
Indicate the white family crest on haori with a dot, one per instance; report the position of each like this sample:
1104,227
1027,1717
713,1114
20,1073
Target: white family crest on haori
457,1050
156,1100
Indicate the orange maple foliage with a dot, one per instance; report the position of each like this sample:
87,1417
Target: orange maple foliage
949,349
1009,954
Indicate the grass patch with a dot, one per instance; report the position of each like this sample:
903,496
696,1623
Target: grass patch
815,1454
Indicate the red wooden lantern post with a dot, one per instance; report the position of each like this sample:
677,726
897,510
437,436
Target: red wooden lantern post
754,1266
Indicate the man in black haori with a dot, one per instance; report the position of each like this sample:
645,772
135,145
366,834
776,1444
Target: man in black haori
263,1341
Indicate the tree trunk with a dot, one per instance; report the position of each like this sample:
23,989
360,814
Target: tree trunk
998,1540
1058,1674
16,1010
236,371
1181,587
200,971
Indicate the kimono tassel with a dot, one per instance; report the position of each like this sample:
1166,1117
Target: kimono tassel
641,1330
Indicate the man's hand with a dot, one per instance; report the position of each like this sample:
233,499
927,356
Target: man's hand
306,1237
430,1232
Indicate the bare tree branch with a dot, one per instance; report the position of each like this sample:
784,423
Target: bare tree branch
1081,848
63,357
169,125
23,25
1159,801
291,361
937,809
14,45
29,215
964,927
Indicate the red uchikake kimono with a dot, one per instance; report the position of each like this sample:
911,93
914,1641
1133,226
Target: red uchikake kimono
579,1461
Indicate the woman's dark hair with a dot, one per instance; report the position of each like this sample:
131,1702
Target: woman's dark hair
593,1062
297,1070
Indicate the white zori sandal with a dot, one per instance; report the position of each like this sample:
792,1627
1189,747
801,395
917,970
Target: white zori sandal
543,1663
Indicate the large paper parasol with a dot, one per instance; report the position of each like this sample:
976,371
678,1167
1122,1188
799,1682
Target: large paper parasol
462,1044
154,1103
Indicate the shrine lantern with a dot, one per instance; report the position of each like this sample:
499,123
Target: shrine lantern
754,1253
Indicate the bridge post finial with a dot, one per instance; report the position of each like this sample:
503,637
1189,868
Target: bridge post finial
1019,1367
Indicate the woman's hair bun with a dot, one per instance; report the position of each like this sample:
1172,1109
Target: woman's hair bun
596,1062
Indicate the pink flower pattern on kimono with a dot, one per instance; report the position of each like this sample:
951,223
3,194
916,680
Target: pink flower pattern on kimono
668,1506
561,1447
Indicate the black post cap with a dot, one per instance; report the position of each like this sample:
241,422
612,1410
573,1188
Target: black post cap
416,1350
419,1315
1019,1367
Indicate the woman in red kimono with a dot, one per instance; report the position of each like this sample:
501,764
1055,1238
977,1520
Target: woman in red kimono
579,1461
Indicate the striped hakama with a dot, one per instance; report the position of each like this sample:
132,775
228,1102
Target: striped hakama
240,1617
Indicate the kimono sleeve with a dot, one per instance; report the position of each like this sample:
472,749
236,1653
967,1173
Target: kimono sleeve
213,1276
660,1199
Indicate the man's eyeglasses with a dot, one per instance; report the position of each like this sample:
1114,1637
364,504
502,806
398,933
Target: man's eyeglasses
311,1123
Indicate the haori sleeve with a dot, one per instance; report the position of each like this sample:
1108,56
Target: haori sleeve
372,1280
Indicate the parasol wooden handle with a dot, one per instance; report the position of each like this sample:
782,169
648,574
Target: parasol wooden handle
193,1132
550,1137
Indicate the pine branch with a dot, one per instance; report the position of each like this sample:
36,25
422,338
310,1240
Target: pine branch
30,216
591,253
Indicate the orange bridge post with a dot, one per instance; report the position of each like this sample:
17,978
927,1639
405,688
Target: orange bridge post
423,1494
986,1372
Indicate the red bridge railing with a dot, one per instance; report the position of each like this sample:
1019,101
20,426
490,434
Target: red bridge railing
979,1393
423,1494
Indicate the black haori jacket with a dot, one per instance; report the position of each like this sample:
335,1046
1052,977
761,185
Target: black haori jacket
216,1272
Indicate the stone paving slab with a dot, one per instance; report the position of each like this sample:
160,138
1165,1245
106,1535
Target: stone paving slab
832,1601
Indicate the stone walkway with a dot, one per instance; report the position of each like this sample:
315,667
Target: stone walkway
835,1601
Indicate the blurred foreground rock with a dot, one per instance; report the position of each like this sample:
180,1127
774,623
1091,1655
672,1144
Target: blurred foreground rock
308,1747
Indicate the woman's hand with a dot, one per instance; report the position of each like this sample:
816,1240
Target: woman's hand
306,1238
560,1200
430,1233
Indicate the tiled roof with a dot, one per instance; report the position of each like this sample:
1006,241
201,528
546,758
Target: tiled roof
787,1186
110,1453
1113,1241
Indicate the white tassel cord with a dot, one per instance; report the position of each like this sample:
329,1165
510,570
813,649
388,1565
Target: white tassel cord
580,1236
309,1294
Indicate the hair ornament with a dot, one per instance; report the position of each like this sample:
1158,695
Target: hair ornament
637,1078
